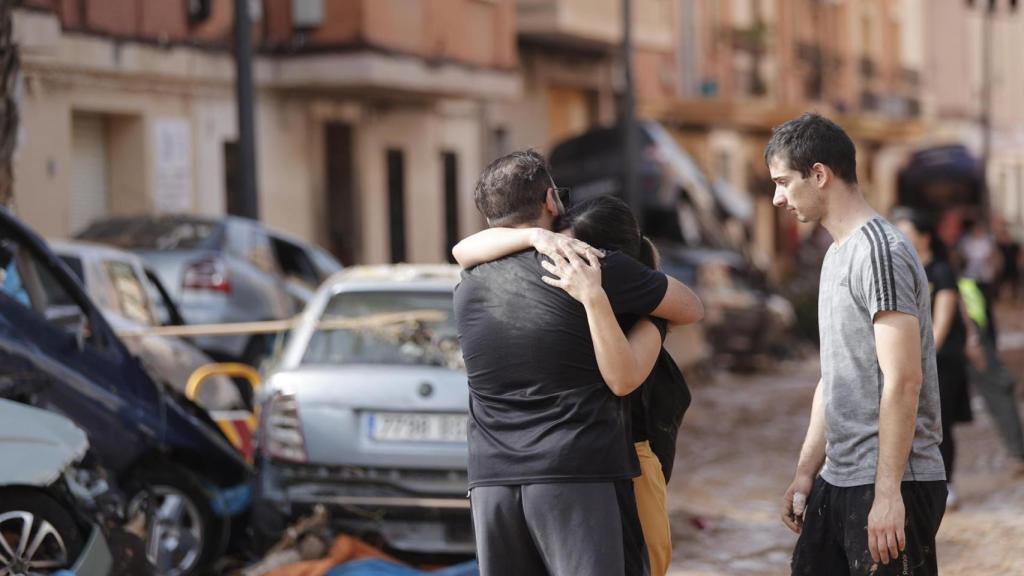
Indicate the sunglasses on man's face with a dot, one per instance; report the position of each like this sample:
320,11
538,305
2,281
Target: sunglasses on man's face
561,196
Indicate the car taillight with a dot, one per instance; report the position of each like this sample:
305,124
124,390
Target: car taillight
207,274
282,429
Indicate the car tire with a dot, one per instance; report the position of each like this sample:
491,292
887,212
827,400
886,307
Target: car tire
41,514
178,511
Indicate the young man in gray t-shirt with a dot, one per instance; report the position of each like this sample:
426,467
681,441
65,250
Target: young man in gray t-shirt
870,487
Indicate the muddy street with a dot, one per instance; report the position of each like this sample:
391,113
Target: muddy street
737,453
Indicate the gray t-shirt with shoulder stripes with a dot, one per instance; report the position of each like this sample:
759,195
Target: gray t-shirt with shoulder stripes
874,270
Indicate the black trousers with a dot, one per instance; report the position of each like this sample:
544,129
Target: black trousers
834,539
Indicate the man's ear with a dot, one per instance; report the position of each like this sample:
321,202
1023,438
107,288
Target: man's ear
821,174
550,204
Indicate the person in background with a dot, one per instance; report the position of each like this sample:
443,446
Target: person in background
981,264
1009,249
950,332
990,377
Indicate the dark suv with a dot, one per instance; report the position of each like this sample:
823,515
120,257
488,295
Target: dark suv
58,353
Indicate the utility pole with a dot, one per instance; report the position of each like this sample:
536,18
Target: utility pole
249,205
631,190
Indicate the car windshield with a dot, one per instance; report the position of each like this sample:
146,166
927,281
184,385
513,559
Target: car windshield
387,327
155,234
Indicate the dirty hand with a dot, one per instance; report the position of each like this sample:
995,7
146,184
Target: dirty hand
793,516
886,529
580,278
552,244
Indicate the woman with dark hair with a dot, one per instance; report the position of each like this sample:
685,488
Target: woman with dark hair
950,332
630,355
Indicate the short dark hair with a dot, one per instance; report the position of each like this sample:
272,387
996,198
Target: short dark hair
511,190
924,224
810,139
608,223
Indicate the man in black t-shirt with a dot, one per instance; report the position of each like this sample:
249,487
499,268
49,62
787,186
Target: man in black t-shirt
547,437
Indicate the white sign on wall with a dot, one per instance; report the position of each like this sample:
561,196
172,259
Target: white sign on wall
172,147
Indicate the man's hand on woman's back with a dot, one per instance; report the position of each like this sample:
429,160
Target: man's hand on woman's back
553,244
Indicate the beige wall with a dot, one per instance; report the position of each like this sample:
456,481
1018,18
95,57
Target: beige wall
214,121
558,91
953,92
42,165
422,134
285,169
598,21
127,181
43,162
290,162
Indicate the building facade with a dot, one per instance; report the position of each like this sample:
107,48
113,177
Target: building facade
749,65
374,117
955,36
371,116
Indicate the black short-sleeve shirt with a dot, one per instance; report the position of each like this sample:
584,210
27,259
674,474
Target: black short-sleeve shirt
539,409
941,277
638,412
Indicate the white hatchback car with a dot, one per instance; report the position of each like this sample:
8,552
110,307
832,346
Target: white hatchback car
131,301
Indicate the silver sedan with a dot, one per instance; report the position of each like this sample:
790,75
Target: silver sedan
366,408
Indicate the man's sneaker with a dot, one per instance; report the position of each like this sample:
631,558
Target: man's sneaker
952,502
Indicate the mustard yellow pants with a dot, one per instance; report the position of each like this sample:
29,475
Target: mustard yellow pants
651,503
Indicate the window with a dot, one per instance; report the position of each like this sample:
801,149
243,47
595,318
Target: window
75,264
295,263
500,142
433,343
166,312
130,292
29,282
326,265
396,203
451,201
249,242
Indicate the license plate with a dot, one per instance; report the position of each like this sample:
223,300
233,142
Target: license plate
415,427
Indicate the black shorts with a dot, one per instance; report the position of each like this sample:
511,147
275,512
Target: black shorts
834,539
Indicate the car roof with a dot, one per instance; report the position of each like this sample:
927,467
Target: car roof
84,249
211,220
395,277
165,218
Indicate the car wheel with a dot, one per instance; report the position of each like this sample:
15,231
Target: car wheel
183,535
37,534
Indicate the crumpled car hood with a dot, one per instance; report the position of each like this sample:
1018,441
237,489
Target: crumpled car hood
36,445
